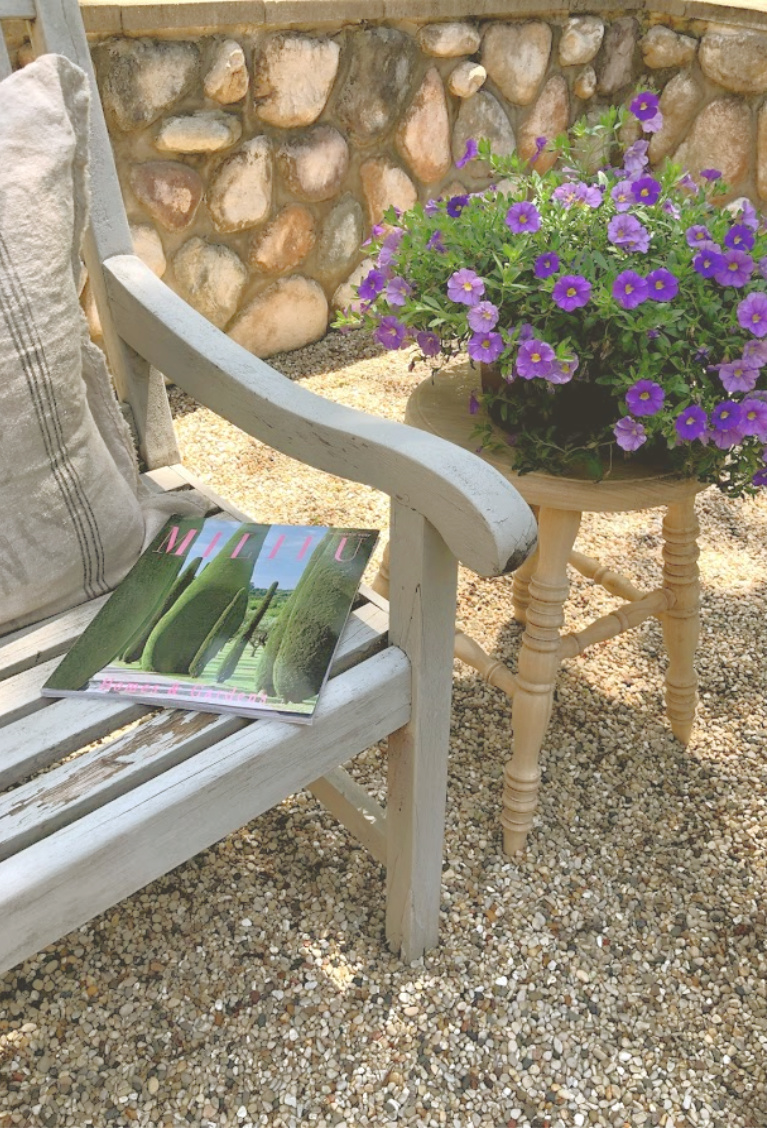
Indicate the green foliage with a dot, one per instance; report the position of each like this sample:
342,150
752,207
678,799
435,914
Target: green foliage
140,593
180,635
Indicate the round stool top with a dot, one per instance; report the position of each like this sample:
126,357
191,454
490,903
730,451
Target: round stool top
441,406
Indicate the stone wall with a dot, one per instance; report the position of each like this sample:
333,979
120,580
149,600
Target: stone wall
253,164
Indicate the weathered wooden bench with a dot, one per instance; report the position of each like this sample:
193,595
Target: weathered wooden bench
78,833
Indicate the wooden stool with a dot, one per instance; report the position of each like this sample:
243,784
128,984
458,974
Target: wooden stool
540,587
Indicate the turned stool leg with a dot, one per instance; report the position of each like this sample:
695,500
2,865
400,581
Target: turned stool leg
538,665
520,587
380,582
681,623
520,582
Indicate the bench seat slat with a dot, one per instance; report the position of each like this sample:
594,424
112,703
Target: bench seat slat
48,802
20,695
57,885
27,647
39,740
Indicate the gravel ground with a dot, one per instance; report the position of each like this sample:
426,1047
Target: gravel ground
616,974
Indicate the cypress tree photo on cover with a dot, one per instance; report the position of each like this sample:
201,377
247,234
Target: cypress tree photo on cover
317,616
137,598
137,642
236,648
265,673
179,636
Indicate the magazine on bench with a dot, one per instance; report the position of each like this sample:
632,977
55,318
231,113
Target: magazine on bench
223,616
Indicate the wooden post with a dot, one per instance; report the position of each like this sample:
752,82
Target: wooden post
423,584
520,586
681,623
520,582
538,664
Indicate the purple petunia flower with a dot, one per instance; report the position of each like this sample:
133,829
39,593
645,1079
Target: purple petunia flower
699,236
483,317
645,397
456,204
752,314
670,208
526,331
571,291
653,124
737,270
760,477
645,190
710,174
431,207
644,106
391,333
635,159
588,194
470,152
739,237
745,209
485,346
375,231
685,183
763,266
755,352
398,291
653,334
429,343
523,216
708,263
754,421
664,285
546,264
434,243
626,232
725,440
473,404
630,289
465,287
738,376
566,194
535,358
701,354
726,416
562,371
393,238
372,285
621,196
629,434
691,423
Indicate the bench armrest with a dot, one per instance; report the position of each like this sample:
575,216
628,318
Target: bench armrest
479,515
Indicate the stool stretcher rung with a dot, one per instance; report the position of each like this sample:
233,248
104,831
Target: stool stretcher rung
613,582
624,618
492,670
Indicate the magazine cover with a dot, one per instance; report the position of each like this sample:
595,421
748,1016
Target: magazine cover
223,617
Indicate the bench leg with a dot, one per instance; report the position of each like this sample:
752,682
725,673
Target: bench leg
538,665
681,623
423,584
